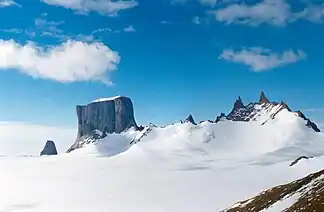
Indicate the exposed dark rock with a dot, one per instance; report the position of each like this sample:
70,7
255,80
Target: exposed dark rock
238,104
190,120
298,159
220,117
250,112
308,195
100,118
309,123
238,111
285,105
49,149
263,99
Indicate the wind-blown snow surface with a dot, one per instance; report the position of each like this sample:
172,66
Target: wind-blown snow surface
180,168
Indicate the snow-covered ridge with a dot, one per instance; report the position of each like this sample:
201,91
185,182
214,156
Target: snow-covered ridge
106,99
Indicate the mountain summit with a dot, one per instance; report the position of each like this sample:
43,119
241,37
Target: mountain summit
263,99
263,111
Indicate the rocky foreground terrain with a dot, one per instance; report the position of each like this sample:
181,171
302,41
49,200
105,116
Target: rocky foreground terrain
303,195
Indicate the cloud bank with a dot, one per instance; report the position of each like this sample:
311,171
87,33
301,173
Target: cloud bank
68,62
260,59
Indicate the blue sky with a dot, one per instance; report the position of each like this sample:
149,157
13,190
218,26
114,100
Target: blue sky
172,57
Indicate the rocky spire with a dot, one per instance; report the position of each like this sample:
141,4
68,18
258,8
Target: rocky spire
263,98
190,120
238,103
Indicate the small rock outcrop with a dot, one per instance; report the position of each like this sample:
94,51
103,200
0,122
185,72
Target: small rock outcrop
49,149
102,117
220,117
190,120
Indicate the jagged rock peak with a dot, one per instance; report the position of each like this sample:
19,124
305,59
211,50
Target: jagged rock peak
238,103
263,98
285,105
49,149
190,119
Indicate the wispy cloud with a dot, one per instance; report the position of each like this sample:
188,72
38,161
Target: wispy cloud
8,3
103,7
181,2
130,29
165,22
68,62
101,30
273,12
50,28
208,2
260,59
314,110
12,30
196,20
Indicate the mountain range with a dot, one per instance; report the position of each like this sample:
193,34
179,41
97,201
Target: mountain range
229,163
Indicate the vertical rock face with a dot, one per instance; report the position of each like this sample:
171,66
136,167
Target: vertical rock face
49,149
102,117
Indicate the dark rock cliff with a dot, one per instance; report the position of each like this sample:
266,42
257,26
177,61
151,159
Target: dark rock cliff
49,149
102,117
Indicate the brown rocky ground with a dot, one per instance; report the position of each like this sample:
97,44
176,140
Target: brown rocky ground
307,193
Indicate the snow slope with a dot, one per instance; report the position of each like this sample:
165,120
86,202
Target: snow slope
178,168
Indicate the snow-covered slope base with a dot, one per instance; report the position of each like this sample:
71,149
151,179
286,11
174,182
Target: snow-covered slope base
179,168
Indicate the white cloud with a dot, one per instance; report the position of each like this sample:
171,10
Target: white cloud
68,62
130,29
8,3
33,138
273,12
260,59
103,7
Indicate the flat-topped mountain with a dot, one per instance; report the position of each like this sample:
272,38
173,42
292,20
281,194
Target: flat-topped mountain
103,116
